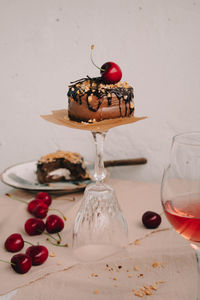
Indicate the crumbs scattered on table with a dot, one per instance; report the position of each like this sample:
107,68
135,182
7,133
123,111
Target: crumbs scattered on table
70,198
144,290
163,264
147,290
137,242
155,264
161,281
119,267
108,268
135,268
52,254
94,275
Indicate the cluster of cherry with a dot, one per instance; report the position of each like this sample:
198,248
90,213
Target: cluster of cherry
35,254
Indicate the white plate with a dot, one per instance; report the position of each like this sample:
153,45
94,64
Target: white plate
23,176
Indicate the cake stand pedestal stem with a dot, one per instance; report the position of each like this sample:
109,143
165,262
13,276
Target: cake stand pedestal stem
99,170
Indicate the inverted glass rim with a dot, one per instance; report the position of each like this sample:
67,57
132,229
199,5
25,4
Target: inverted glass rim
190,138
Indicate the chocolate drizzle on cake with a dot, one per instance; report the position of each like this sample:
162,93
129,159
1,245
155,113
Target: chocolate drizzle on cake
94,87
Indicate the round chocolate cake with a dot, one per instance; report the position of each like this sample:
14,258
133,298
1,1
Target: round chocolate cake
91,100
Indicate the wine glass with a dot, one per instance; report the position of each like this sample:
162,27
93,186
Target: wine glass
100,228
180,191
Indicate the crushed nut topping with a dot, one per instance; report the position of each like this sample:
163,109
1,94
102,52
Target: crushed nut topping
71,156
87,85
89,98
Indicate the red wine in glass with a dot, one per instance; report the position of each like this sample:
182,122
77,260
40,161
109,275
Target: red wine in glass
184,216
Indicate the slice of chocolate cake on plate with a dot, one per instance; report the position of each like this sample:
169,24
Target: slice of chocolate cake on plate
61,166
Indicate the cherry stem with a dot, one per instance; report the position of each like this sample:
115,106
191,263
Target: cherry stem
28,243
91,57
16,198
8,262
58,234
49,235
58,244
59,212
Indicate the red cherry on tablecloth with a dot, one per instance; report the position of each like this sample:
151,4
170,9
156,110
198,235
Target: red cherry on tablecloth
40,210
44,197
54,224
14,242
34,226
111,73
39,254
32,205
151,219
21,263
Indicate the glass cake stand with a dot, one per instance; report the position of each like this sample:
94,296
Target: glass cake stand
100,228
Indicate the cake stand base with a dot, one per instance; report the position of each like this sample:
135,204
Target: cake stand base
100,229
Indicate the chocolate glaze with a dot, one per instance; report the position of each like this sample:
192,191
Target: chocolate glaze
104,98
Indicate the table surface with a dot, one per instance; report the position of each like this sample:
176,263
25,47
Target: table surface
159,261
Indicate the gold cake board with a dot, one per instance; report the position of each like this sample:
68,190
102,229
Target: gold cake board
60,117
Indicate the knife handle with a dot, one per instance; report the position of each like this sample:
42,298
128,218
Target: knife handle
125,162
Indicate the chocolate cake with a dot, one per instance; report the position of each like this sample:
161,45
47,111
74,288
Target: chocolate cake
91,100
61,166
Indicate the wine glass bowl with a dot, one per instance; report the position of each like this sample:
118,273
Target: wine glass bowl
180,190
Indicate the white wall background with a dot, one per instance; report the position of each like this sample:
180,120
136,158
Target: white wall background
45,44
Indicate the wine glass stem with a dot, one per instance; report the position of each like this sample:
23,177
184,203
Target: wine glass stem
99,171
197,255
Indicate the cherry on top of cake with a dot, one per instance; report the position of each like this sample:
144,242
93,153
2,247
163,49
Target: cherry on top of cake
110,71
110,81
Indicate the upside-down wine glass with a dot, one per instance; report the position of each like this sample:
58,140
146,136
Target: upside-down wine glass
100,228
180,191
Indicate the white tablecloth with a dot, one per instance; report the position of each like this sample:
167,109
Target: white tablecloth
159,260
